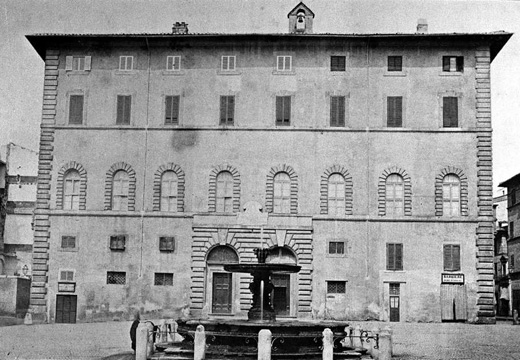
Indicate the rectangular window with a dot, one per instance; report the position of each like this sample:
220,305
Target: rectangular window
394,111
394,256
394,289
337,63
77,63
227,110
336,247
173,63
67,275
512,261
163,279
451,257
171,115
228,63
126,63
76,109
513,197
284,63
124,107
283,110
395,63
450,111
117,242
337,111
511,229
167,243
453,63
68,242
116,277
336,287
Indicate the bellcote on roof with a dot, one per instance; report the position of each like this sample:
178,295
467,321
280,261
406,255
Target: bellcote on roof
300,19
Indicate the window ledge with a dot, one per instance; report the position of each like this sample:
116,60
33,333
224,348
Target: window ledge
77,72
394,271
336,255
447,73
338,73
278,72
448,129
229,72
174,72
395,74
74,250
125,72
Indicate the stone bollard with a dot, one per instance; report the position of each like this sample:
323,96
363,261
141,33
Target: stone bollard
141,342
347,341
199,347
150,344
515,317
391,332
328,344
264,344
385,345
372,351
28,319
356,338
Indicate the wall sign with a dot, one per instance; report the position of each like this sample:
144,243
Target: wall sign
66,287
452,279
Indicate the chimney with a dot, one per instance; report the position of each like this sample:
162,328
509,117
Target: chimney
180,28
422,26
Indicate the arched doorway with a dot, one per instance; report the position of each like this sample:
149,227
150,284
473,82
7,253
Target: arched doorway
221,287
283,283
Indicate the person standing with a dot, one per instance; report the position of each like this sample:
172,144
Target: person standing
133,329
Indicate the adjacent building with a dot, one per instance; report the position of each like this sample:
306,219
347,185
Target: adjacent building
500,261
363,158
513,241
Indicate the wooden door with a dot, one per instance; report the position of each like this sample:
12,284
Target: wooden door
394,309
281,294
453,302
222,293
66,309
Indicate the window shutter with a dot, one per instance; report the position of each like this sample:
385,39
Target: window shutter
231,109
225,63
168,118
287,66
334,110
287,110
447,257
76,109
88,61
445,63
279,110
398,256
456,257
128,105
450,111
222,110
175,109
341,111
232,63
460,63
120,109
390,255
68,63
280,63
394,111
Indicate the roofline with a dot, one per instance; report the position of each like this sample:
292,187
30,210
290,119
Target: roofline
496,40
505,183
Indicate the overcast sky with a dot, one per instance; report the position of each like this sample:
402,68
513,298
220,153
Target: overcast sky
21,69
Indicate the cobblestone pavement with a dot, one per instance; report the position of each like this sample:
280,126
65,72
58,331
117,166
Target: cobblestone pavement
110,341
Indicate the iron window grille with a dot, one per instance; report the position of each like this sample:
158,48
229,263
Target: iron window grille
395,289
336,287
163,279
167,243
338,63
395,63
116,277
68,242
117,242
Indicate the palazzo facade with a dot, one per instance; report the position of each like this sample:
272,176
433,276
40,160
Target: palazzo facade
365,159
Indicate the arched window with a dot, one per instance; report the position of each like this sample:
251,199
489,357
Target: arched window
394,195
336,198
169,191
120,191
282,193
224,198
451,195
222,255
71,190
